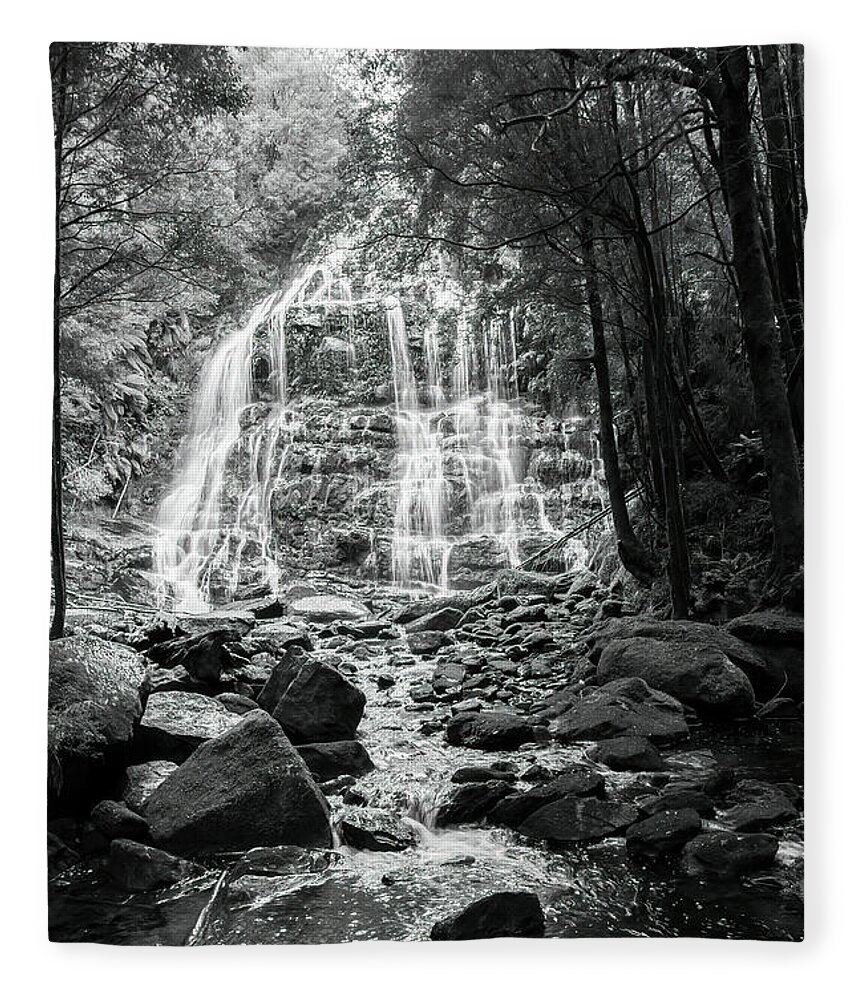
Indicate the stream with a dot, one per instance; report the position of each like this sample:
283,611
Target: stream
589,891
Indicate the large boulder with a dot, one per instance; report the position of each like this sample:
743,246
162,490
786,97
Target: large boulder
721,854
469,803
246,788
428,642
756,805
95,697
428,605
628,753
141,780
324,608
515,808
663,833
140,867
503,914
573,819
436,621
368,829
739,652
489,731
312,702
777,637
330,760
696,673
626,707
176,723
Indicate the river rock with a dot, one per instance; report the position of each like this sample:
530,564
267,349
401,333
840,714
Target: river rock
248,787
678,797
140,867
436,621
95,697
468,803
427,643
629,753
238,704
777,637
318,705
175,723
664,833
448,676
515,808
203,655
502,914
331,760
115,819
489,731
276,636
141,780
573,819
368,829
755,805
475,773
697,674
625,707
721,854
325,608
217,620
462,602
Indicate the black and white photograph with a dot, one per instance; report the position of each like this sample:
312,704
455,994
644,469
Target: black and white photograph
427,494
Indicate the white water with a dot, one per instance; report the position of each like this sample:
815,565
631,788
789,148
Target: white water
195,537
458,470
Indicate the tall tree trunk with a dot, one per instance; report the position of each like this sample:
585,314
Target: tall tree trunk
758,311
58,545
633,555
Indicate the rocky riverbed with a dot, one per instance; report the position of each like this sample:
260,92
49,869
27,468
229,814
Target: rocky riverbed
346,763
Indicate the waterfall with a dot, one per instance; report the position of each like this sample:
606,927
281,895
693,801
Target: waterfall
461,499
193,539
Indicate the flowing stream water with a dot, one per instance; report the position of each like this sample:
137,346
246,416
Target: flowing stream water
592,890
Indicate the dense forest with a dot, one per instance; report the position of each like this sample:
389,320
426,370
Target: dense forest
411,407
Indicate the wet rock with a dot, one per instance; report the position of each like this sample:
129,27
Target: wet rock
625,707
755,805
141,867
489,731
115,819
176,723
330,760
664,833
239,704
369,829
95,691
448,676
629,753
325,608
442,620
246,788
468,803
573,819
318,705
527,613
385,681
584,583
777,637
462,602
203,655
720,854
427,643
60,855
677,797
467,775
514,809
697,674
502,914
276,636
210,621
141,780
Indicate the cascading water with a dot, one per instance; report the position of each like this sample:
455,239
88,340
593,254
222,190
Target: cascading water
461,497
193,541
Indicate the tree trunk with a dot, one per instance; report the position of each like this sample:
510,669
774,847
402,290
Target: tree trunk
633,556
58,545
757,309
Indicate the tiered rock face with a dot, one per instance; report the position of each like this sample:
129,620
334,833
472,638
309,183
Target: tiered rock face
332,489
